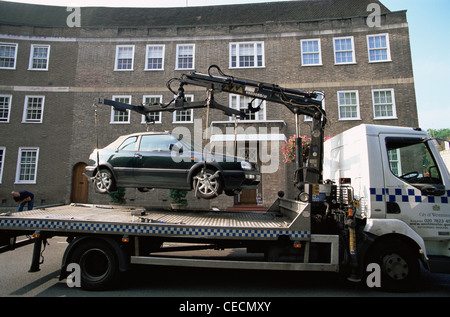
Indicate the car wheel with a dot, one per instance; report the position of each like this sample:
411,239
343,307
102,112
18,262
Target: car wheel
207,184
104,182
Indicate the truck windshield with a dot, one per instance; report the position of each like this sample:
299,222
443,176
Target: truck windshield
410,159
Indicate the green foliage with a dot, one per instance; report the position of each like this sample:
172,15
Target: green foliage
178,196
441,134
118,197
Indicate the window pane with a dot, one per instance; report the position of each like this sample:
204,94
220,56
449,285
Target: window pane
39,58
125,57
4,108
383,104
348,105
33,111
185,57
310,52
27,165
343,50
378,48
153,116
247,54
7,56
121,116
155,57
413,161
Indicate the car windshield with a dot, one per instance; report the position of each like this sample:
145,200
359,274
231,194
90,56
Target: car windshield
114,145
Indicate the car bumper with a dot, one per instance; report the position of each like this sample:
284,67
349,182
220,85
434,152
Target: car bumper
241,179
89,171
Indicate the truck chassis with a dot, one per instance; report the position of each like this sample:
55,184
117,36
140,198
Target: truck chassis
114,237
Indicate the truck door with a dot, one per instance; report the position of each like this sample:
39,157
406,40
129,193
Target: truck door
416,188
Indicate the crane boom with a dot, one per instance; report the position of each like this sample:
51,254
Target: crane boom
297,101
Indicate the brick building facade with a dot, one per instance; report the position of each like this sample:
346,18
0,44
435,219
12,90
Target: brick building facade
50,75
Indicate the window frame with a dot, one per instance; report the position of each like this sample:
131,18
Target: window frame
177,59
352,42
307,118
8,107
302,53
358,110
174,118
16,48
255,54
147,57
116,62
25,109
32,58
19,164
387,48
2,161
113,111
158,112
394,107
238,107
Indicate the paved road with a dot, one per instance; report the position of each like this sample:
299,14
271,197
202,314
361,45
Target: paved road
152,281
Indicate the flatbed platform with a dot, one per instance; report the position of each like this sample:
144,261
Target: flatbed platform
82,218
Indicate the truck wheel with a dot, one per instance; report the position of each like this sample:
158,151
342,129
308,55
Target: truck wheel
98,264
105,182
398,262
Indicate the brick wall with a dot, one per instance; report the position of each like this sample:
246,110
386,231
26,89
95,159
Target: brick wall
82,69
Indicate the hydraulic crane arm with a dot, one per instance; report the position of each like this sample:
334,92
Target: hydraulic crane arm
298,102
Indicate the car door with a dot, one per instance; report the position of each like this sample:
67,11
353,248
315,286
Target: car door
416,187
157,164
122,160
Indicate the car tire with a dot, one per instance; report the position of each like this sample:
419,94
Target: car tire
205,186
105,182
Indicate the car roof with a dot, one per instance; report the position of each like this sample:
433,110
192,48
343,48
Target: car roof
145,133
118,141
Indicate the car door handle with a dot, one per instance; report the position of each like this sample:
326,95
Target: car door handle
138,155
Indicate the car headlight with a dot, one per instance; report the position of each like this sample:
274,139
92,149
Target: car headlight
246,165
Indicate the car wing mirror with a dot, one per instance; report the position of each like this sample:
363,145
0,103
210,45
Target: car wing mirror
176,148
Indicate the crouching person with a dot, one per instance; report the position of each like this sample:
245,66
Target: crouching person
23,197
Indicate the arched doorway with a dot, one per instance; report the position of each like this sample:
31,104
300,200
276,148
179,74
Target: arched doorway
80,184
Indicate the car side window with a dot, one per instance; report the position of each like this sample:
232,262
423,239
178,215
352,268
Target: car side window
129,144
156,143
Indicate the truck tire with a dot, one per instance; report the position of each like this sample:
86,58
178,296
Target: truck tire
98,264
398,262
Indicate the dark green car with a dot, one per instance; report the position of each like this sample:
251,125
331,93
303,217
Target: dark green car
160,160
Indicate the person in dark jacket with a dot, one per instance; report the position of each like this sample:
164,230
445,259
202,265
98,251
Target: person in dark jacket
23,197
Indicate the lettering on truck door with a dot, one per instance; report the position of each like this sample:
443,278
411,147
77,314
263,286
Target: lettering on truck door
415,191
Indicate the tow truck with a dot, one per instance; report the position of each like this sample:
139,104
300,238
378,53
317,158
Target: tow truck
371,198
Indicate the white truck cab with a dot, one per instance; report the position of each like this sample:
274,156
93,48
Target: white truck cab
403,189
